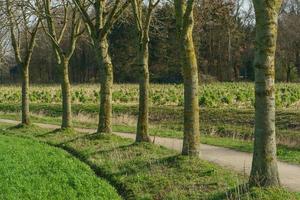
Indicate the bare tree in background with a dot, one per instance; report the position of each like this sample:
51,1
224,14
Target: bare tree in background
99,17
4,43
288,53
23,24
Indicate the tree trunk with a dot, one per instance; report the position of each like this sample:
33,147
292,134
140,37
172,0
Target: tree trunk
143,62
106,70
236,70
25,95
191,141
264,166
66,95
297,62
288,74
184,26
230,59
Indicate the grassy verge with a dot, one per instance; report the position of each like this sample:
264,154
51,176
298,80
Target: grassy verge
227,122
146,171
284,153
31,170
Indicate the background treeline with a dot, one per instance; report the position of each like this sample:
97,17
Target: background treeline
224,39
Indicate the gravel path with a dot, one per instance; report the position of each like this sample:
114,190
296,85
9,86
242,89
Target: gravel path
231,159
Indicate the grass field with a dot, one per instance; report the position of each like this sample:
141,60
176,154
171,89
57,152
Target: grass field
210,95
31,170
146,171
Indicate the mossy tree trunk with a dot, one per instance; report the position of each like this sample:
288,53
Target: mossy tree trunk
25,95
105,15
264,167
185,24
106,76
297,61
66,96
142,134
25,80
142,22
191,142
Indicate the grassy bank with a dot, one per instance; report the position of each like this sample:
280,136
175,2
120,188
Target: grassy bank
31,170
146,171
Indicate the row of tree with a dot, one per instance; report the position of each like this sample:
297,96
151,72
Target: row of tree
96,18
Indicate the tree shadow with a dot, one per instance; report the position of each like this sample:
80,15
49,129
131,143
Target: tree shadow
113,149
233,194
121,187
20,126
57,131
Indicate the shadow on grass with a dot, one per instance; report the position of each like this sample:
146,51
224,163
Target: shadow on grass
57,131
21,126
113,149
122,189
83,136
233,194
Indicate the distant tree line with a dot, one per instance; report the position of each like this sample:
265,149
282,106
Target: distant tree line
224,42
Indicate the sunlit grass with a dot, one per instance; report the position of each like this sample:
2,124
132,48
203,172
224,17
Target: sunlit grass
31,170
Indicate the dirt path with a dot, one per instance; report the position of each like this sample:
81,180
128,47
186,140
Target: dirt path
231,159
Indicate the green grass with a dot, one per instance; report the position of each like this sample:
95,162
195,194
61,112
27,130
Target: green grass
31,170
270,194
146,171
285,153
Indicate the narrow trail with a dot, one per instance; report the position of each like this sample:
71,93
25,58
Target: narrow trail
230,159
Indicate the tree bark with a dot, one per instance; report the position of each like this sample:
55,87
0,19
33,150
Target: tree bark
297,62
236,70
66,95
191,142
142,134
106,70
25,95
288,74
264,166
143,21
185,24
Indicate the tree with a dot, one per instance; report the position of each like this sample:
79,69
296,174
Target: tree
264,166
63,54
104,15
288,60
143,21
185,23
4,44
23,25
